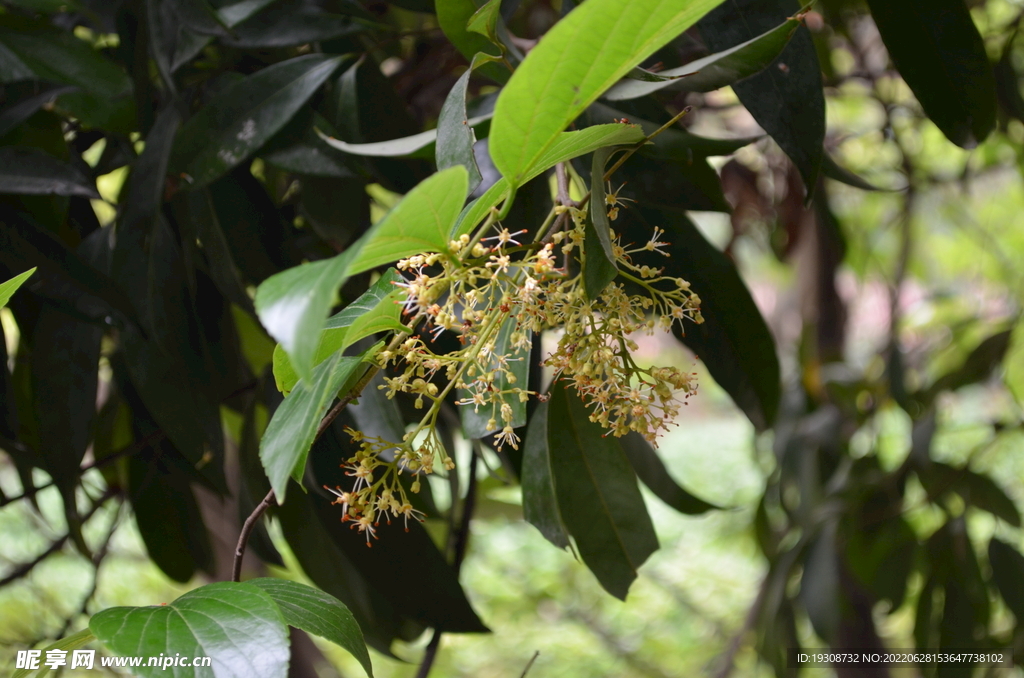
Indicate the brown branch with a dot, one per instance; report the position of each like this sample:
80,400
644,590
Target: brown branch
25,568
268,501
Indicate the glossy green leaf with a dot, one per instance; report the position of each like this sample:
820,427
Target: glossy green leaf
375,310
599,266
32,171
714,71
568,145
1008,574
293,427
9,287
582,56
293,305
540,508
474,418
396,147
244,115
319,613
453,16
238,625
786,98
652,472
419,223
455,137
941,56
819,585
597,494
73,642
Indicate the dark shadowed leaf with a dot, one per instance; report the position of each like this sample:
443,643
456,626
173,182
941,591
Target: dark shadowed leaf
819,586
599,267
244,115
31,171
167,514
540,508
1008,574
786,98
314,611
597,494
292,22
238,625
941,55
733,342
455,137
652,472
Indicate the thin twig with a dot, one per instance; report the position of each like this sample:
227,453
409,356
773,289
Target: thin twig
247,528
97,561
56,546
529,664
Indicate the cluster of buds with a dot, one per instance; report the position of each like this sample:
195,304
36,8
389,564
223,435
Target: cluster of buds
493,294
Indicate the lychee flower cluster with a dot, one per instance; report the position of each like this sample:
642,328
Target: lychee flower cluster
493,293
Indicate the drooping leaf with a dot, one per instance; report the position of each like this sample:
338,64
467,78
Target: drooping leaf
714,71
540,508
575,62
314,611
9,287
941,56
406,146
976,489
453,17
599,266
652,472
485,21
420,222
31,171
167,514
567,146
734,341
597,494
17,111
1008,574
786,98
244,115
238,625
293,427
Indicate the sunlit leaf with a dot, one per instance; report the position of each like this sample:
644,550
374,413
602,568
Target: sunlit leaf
32,171
9,287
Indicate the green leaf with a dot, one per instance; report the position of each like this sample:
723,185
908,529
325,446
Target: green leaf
395,147
976,489
69,644
734,341
289,23
375,310
582,56
597,494
675,143
237,625
8,288
833,170
474,422
540,508
485,21
941,56
569,145
714,71
293,305
453,16
31,171
786,98
652,472
35,96
819,585
977,366
419,223
1008,574
293,427
244,115
599,266
455,137
314,611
